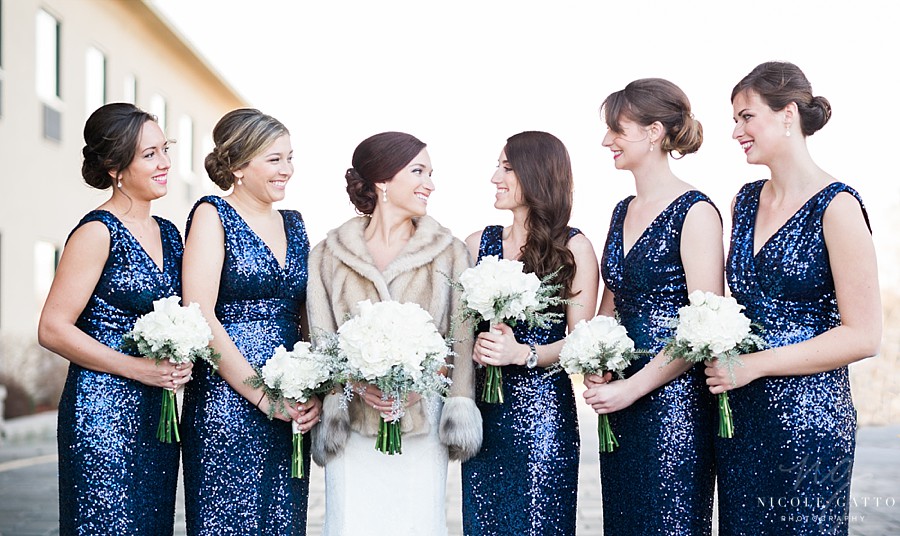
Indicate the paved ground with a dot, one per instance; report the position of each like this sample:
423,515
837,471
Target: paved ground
28,487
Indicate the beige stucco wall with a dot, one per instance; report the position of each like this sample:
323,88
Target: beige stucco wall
42,195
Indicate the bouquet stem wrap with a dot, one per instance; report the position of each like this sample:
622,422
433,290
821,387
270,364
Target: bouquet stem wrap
390,439
168,418
297,452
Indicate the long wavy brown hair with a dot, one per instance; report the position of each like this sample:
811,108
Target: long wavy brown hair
541,163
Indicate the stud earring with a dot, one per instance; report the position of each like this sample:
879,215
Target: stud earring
384,194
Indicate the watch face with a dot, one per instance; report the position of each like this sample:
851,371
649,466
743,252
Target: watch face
532,359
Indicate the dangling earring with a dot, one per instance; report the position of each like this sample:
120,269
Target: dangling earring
119,183
384,194
787,130
651,146
240,181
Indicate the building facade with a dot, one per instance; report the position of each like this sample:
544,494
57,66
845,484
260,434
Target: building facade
59,61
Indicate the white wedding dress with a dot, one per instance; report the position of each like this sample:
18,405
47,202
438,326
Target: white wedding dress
369,493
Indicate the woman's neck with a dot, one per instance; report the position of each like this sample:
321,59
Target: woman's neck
388,228
249,204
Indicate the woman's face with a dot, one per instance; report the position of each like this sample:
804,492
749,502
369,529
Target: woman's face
509,195
408,191
266,175
758,128
629,147
146,177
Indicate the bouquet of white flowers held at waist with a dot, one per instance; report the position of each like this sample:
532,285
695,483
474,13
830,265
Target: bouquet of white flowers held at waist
396,347
595,347
499,291
177,334
713,327
294,376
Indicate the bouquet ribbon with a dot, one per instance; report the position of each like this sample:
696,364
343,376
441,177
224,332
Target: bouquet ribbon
297,452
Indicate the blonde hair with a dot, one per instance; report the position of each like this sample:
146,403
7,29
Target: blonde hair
239,136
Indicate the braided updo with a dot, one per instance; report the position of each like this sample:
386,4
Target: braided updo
111,136
239,136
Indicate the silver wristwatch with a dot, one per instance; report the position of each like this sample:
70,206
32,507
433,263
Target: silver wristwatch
532,360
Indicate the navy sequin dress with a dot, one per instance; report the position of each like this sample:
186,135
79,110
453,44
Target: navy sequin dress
787,469
237,462
524,481
660,480
115,477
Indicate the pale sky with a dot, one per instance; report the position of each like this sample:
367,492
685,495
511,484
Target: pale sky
463,76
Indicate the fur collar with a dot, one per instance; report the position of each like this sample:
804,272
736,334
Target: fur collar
348,245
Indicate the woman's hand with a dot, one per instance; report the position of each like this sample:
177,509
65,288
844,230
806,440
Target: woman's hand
498,347
164,374
374,398
306,415
610,396
721,378
593,380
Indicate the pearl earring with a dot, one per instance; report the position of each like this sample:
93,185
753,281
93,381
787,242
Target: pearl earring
651,146
119,184
240,182
384,194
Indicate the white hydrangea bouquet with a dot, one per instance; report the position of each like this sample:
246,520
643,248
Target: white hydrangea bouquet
499,291
713,327
595,347
396,347
177,334
294,376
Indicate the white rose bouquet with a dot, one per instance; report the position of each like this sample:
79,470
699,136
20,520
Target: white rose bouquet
178,334
499,291
595,347
713,327
295,376
396,347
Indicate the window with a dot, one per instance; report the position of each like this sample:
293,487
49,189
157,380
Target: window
95,79
185,148
47,57
129,90
46,257
158,108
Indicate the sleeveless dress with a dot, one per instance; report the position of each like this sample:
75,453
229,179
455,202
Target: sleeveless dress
524,481
787,469
115,477
237,462
660,479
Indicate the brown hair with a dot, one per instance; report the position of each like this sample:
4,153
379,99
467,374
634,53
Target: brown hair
239,136
779,83
648,100
111,137
541,163
377,159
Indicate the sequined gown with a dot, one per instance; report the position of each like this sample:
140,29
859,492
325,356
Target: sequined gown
660,480
524,481
237,472
115,477
787,469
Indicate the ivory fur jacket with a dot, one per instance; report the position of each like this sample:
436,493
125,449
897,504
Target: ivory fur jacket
341,274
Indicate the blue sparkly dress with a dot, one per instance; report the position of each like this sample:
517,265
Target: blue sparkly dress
115,477
524,481
237,462
787,468
660,479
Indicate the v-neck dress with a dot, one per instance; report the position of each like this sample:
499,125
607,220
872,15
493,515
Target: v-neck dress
524,481
787,468
660,479
115,477
237,462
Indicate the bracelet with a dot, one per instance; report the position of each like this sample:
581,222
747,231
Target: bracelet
260,400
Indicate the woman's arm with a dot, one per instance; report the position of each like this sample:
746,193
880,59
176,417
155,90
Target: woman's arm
851,254
703,258
79,270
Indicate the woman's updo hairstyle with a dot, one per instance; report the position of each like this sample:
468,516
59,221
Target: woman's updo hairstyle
111,137
648,100
239,136
377,159
779,83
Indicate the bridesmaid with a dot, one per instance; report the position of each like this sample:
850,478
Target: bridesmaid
245,264
663,243
803,263
525,479
115,477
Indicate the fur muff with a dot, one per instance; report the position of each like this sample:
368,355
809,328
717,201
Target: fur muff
330,435
461,428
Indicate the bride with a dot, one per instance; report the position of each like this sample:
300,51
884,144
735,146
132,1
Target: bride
395,253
